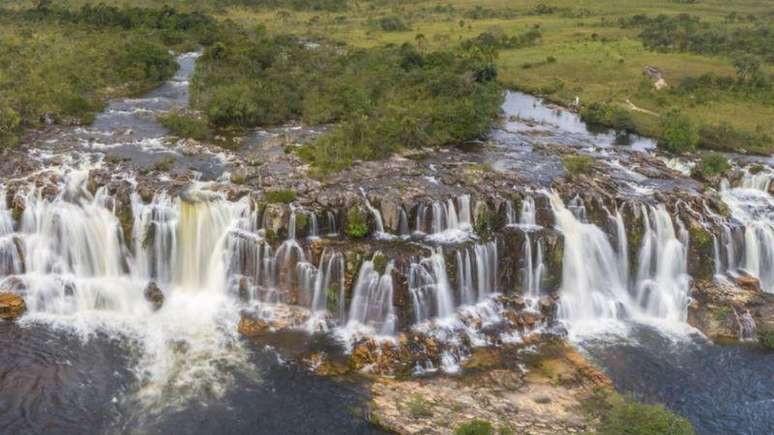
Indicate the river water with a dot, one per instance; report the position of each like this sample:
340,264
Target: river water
92,353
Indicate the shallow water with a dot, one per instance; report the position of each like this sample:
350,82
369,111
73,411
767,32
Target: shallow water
720,389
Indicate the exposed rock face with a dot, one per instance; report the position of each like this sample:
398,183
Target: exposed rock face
725,311
154,295
11,306
252,327
543,400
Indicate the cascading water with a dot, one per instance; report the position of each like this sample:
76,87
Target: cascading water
662,279
449,221
533,272
372,299
79,273
594,285
10,261
528,213
429,287
752,231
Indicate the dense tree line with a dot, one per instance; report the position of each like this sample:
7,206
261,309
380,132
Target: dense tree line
684,32
60,65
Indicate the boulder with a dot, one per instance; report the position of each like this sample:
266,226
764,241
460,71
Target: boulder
154,295
11,306
251,326
748,282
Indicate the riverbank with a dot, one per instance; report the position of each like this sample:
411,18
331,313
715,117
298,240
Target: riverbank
436,270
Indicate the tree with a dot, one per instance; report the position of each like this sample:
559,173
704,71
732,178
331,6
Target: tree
678,133
747,67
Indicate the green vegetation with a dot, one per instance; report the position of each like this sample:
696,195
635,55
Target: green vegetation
619,415
282,196
185,125
357,223
334,62
419,407
766,338
577,164
475,427
712,164
381,99
608,116
678,134
60,65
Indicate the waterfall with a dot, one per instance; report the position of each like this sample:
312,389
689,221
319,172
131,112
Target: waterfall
328,287
477,272
592,287
330,219
752,210
757,181
429,287
380,233
533,271
662,279
313,228
528,213
510,214
10,261
623,249
403,224
594,282
449,221
372,304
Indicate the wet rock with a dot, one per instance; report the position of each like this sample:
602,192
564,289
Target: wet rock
251,326
154,295
748,282
11,306
244,289
274,218
390,210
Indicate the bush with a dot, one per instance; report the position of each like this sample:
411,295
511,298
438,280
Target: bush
766,338
419,407
393,24
678,134
627,417
185,125
279,196
9,123
475,427
577,164
607,116
357,223
378,100
712,164
724,137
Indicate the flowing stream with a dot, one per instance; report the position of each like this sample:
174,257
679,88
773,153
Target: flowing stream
94,349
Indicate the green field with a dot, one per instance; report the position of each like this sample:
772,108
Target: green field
583,50
593,61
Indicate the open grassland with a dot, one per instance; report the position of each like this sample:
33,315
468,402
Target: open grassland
590,50
583,52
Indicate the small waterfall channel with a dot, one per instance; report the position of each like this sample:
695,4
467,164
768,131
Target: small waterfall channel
747,241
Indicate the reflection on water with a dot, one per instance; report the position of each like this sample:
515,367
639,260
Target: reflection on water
721,389
531,120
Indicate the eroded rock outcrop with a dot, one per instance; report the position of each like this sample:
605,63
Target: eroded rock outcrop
12,306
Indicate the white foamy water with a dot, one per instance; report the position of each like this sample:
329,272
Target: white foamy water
748,241
596,291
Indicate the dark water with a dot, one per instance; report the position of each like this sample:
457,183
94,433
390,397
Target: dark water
54,383
720,389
